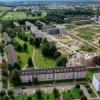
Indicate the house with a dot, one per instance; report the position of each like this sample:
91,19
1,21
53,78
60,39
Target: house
52,74
96,81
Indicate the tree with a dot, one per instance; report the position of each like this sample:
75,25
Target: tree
10,67
56,93
77,86
37,42
30,63
5,98
15,77
35,81
61,61
45,49
24,46
83,97
39,94
29,98
16,66
57,54
25,38
31,40
52,50
19,47
10,93
2,93
81,92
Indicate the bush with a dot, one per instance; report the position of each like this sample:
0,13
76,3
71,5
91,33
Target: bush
81,92
77,86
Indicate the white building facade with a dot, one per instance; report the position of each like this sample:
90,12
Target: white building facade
96,81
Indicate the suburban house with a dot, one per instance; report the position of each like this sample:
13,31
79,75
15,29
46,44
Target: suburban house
50,74
96,81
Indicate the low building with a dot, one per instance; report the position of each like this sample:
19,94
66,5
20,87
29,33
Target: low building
96,81
52,74
54,31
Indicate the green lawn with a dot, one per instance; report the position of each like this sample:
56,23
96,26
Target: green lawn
43,62
73,94
85,33
21,15
90,73
24,55
88,48
70,26
4,8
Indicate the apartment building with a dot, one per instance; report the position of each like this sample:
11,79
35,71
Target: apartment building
10,51
50,74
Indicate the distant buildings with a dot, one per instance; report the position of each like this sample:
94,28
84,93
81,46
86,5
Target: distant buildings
11,54
50,74
96,81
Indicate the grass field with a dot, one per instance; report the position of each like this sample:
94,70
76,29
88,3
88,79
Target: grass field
85,33
42,62
21,15
4,8
24,55
70,26
73,94
88,48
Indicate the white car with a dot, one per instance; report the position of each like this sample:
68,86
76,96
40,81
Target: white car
63,89
46,91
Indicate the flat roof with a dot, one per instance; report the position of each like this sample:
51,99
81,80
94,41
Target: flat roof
97,76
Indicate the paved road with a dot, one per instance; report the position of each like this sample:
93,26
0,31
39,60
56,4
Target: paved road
85,92
45,88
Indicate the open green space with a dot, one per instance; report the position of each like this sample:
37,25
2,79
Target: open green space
90,73
88,48
72,94
41,61
23,56
21,15
4,8
1,13
85,33
70,26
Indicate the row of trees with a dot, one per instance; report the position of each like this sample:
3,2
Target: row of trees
59,15
9,95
